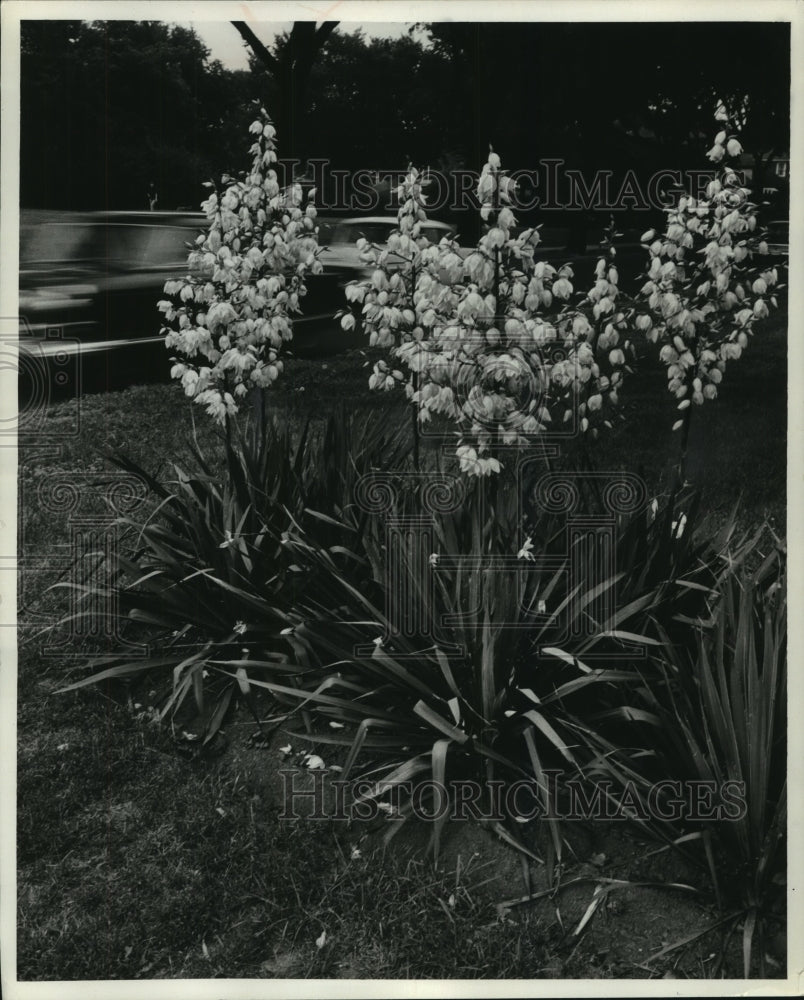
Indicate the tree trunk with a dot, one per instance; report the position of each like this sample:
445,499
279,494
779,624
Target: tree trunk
291,70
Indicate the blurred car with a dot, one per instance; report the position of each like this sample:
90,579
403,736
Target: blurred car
339,238
315,334
88,287
89,283
98,276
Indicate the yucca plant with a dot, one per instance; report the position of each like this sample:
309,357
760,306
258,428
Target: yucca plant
481,691
515,670
719,705
211,576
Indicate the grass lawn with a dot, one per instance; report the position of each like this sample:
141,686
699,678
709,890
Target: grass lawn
136,862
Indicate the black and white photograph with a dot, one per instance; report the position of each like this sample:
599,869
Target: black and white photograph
400,443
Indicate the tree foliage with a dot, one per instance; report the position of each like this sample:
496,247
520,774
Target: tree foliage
110,106
586,87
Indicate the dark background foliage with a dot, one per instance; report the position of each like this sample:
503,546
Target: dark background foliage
109,107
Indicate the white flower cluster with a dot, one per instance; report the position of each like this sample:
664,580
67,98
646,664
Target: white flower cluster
230,316
488,335
706,283
387,296
502,345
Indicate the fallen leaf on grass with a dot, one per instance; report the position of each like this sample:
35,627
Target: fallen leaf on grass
597,898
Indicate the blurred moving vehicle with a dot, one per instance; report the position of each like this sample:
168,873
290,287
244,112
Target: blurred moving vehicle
98,276
88,287
90,281
89,284
314,333
339,238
